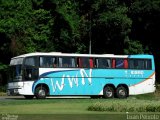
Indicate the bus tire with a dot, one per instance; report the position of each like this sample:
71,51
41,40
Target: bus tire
121,92
29,96
108,92
40,92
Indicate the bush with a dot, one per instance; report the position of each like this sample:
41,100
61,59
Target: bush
126,106
3,88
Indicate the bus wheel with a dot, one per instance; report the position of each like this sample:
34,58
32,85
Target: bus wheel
40,92
29,96
108,92
121,92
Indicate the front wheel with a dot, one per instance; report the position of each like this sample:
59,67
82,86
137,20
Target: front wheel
108,92
121,92
40,92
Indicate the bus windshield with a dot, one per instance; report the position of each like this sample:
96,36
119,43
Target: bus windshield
16,61
16,73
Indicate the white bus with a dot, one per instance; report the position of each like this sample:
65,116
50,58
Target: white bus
61,74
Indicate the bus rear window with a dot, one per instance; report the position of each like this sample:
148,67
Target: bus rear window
144,64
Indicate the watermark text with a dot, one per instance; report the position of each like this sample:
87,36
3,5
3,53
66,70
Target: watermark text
143,116
9,117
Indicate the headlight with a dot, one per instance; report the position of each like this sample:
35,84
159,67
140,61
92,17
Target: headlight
15,90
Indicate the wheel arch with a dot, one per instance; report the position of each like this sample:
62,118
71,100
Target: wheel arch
42,85
111,85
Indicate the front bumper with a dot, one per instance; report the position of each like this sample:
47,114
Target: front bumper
13,91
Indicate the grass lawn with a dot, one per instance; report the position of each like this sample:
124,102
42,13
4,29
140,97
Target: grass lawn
60,109
60,106
48,106
75,109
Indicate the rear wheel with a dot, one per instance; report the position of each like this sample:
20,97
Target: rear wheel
108,92
41,92
121,92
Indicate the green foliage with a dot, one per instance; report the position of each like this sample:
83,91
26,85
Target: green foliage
40,33
133,47
113,26
145,16
68,12
126,106
28,29
78,106
68,30
32,25
3,66
3,90
14,21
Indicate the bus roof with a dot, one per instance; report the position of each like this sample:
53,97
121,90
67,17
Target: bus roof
81,55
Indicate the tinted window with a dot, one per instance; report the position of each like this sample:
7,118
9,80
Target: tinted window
15,73
85,62
30,73
103,63
140,64
119,63
17,61
31,68
148,64
67,62
48,61
31,61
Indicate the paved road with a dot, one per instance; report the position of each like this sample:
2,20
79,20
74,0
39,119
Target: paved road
11,97
51,97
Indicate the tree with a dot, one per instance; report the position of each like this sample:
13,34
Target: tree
133,47
145,15
66,27
111,26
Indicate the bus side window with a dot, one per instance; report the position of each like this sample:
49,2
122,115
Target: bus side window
119,63
148,64
48,61
67,62
31,68
142,64
85,62
103,63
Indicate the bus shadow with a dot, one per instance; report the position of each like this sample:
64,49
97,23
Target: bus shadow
47,98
